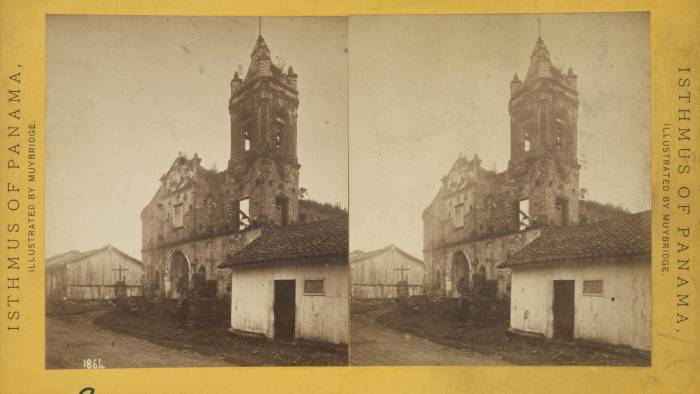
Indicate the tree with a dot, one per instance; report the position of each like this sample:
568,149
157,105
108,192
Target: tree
583,193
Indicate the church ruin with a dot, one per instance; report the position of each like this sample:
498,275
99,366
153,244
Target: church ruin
199,217
480,217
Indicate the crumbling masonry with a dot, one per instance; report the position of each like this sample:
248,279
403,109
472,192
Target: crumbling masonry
479,217
198,217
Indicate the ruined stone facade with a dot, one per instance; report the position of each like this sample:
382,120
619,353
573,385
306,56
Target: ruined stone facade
479,217
198,217
263,166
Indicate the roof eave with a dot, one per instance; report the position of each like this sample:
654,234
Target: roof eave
566,260
335,258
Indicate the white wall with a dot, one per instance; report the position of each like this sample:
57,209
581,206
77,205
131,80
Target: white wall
318,317
621,316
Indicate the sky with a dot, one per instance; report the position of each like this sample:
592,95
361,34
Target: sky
126,94
425,89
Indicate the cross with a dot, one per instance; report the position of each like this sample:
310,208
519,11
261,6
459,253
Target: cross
401,271
119,271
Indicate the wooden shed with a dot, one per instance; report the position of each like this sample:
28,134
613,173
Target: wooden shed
92,275
385,272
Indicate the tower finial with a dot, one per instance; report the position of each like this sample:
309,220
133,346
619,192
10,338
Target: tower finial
260,26
539,28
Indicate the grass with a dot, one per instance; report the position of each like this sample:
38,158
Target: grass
441,326
217,340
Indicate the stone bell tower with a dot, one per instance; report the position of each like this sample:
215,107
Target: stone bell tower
262,180
543,168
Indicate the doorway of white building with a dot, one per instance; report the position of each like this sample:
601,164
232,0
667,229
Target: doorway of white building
284,308
563,309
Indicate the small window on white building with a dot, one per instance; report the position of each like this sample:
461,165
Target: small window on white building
314,287
523,217
593,287
458,218
178,215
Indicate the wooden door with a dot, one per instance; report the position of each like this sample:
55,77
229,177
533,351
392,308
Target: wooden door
284,308
563,309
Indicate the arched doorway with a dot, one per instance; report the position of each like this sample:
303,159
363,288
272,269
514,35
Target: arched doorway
460,274
179,275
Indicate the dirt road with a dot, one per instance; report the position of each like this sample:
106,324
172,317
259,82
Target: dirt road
72,339
374,344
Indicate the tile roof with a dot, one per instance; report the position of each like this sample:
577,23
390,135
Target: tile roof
628,235
296,242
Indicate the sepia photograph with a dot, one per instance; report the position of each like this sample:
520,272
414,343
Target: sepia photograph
373,196
203,172
500,189
196,191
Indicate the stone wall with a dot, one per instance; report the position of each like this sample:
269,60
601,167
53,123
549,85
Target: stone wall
200,215
474,206
267,184
486,215
197,192
202,255
486,253
544,181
